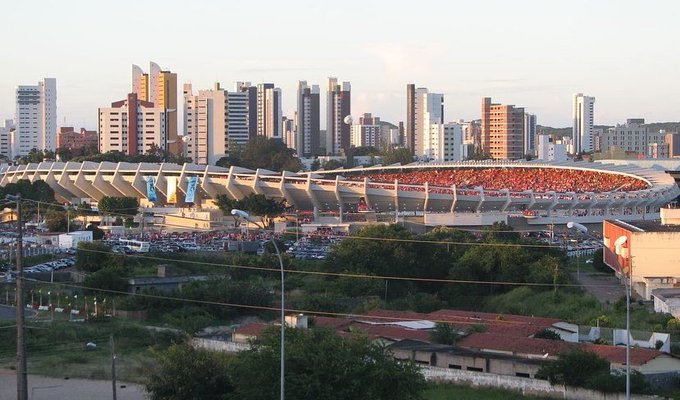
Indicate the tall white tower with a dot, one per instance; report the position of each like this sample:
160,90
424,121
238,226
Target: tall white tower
583,114
428,109
36,117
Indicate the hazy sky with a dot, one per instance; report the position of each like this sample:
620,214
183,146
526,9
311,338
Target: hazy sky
534,54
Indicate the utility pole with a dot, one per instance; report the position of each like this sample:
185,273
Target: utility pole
22,375
113,367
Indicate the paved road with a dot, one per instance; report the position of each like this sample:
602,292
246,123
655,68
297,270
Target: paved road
43,388
605,287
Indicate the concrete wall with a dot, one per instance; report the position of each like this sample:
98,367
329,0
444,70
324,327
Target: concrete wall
525,386
465,219
219,345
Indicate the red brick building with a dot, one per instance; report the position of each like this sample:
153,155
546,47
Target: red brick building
68,138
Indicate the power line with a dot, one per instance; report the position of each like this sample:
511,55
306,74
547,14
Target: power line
469,321
344,274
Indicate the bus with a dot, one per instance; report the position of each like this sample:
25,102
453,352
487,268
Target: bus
135,245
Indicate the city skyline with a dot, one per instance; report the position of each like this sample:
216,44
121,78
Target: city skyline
551,52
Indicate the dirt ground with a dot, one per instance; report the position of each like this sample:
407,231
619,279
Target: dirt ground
44,388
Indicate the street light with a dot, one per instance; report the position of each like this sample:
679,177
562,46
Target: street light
620,241
240,214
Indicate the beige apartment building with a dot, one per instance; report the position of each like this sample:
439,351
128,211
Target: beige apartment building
502,130
159,87
649,258
131,126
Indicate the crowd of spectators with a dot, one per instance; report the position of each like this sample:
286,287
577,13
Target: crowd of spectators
514,179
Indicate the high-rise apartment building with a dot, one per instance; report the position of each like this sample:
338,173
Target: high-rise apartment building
269,114
367,132
159,87
445,142
7,131
338,106
251,93
238,129
583,114
502,130
205,124
410,129
290,131
131,126
529,134
36,117
422,110
214,121
308,120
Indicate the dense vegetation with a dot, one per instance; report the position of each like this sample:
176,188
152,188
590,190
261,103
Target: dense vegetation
319,365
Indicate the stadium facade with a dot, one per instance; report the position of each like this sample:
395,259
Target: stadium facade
332,192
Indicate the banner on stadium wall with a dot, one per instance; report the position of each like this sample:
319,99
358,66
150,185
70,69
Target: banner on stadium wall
172,190
191,189
151,189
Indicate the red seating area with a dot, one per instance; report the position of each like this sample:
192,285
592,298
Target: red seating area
514,179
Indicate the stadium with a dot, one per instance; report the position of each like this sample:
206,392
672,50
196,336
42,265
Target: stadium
465,193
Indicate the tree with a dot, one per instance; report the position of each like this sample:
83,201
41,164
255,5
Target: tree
108,278
55,220
36,156
402,156
234,156
444,334
183,372
262,152
479,155
128,207
322,365
255,204
574,368
65,154
92,256
547,334
599,265
333,164
97,234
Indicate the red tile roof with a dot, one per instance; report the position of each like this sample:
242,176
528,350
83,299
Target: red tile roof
617,354
330,322
391,332
539,347
517,345
511,325
251,329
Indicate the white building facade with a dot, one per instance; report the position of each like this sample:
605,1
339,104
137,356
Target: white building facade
366,132
445,142
131,126
6,138
307,121
583,114
205,124
547,150
269,112
429,109
36,117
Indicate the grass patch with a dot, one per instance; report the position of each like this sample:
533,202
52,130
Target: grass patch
59,349
450,392
574,306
